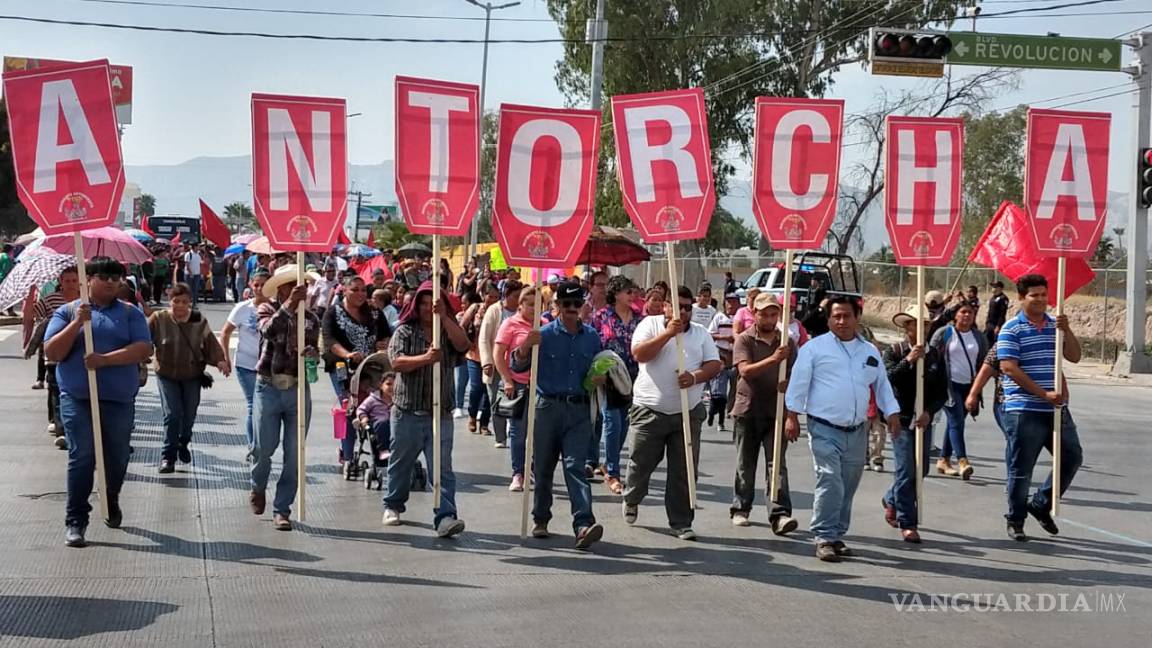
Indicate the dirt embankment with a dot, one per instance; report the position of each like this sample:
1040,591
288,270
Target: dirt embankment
1086,314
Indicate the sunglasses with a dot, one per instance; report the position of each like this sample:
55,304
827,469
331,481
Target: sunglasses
685,308
571,303
103,276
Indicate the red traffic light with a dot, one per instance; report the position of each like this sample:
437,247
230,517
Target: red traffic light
1144,179
1146,157
887,45
924,46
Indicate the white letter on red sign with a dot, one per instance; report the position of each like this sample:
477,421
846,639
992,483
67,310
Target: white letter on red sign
440,106
782,149
284,145
59,97
674,150
909,175
1069,143
571,173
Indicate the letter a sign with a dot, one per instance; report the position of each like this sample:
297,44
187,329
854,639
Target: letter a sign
299,170
545,184
664,163
923,171
65,145
1066,180
437,154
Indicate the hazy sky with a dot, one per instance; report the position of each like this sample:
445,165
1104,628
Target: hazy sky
192,91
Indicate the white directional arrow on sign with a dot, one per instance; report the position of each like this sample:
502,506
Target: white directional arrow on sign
961,48
1105,56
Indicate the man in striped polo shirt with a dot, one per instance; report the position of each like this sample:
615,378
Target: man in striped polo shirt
1027,350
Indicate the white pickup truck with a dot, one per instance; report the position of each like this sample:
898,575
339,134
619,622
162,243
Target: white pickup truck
836,273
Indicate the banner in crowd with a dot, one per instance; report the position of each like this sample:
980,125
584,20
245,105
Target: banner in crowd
664,163
1066,180
437,154
796,169
65,145
923,174
545,196
299,170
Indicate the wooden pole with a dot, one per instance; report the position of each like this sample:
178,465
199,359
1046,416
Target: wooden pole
689,460
93,391
301,403
437,368
919,431
530,430
1058,421
778,435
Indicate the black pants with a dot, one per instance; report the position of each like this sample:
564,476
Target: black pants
40,368
753,435
716,408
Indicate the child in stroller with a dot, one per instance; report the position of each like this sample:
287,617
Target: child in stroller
372,387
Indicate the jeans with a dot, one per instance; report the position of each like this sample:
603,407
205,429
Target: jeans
382,432
478,404
179,400
592,458
615,425
461,385
902,494
274,411
998,414
195,282
1028,433
838,457
955,413
116,421
247,380
653,433
753,436
348,443
562,433
411,436
499,423
518,434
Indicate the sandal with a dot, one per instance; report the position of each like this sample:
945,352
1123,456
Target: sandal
614,484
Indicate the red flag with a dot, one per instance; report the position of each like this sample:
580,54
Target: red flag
176,240
371,242
211,228
342,238
147,230
1007,245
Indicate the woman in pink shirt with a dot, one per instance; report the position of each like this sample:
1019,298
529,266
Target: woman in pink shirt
745,318
511,334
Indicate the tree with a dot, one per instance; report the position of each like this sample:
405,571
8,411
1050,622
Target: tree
14,219
1105,252
239,218
395,235
148,205
994,170
727,232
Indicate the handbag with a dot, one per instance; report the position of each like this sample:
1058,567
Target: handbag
206,379
614,398
36,340
511,408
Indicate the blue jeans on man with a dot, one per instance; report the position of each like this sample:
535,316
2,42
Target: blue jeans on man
562,433
116,419
274,411
839,459
179,400
411,437
1029,433
247,380
195,282
953,444
901,495
461,385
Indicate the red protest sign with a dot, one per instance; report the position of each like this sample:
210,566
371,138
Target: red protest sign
299,170
545,195
664,163
65,145
1066,180
796,169
121,81
437,154
923,170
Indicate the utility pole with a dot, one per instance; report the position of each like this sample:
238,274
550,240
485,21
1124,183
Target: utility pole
360,195
597,32
1134,358
488,8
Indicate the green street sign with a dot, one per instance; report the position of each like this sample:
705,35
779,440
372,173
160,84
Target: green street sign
1055,52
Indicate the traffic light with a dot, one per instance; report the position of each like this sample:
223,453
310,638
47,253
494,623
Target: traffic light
1144,182
921,47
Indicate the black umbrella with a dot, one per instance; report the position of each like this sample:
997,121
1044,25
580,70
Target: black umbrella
413,250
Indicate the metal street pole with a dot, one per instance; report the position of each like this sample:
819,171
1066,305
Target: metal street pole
1134,358
596,32
488,8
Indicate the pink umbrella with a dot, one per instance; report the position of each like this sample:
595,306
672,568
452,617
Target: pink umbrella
245,239
261,245
102,241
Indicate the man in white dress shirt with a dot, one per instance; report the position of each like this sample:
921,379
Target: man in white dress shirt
831,384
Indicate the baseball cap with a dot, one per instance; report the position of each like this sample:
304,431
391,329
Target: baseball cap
569,290
934,297
765,300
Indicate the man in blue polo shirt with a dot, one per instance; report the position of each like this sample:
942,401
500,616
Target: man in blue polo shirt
121,341
1026,347
563,414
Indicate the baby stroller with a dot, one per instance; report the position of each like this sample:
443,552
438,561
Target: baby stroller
365,380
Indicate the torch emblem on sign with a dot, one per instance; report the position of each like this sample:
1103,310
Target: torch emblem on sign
539,244
434,211
301,228
75,206
1064,235
793,227
921,243
670,218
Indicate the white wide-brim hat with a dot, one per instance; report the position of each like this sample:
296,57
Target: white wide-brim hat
285,275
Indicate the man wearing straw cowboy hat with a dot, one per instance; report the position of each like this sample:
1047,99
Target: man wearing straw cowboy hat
900,505
830,384
274,407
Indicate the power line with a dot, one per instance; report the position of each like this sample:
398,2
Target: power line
307,12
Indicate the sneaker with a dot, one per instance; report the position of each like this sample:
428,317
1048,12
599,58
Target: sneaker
449,527
61,443
184,454
826,552
842,549
167,467
74,536
458,413
740,520
588,535
39,384
1045,519
784,525
500,444
52,429
631,512
877,465
281,522
391,518
685,534
256,502
589,472
540,530
1016,532
115,516
910,535
517,484
889,513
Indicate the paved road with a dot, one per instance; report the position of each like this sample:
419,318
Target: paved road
192,567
